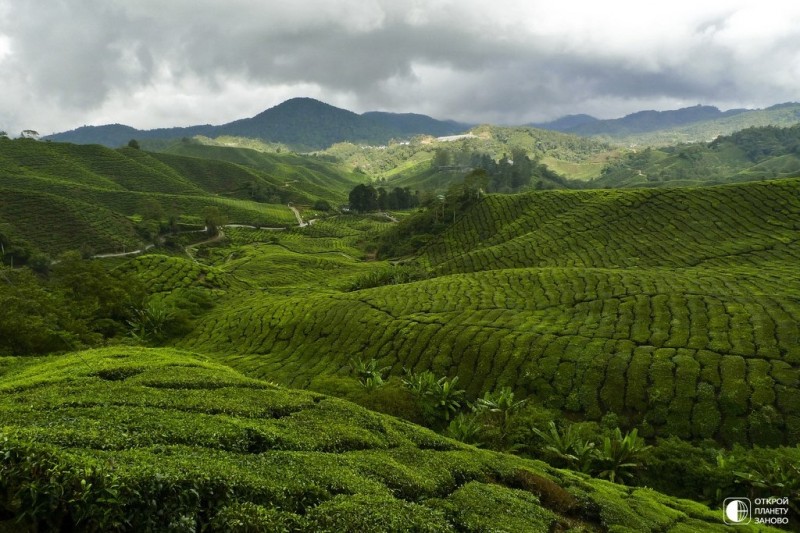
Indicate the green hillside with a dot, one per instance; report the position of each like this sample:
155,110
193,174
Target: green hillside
748,155
675,309
647,336
57,197
138,439
433,164
306,177
781,115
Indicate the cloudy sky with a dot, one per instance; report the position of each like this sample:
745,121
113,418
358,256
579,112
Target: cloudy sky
152,63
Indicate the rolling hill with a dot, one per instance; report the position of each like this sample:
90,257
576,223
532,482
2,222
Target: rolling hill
60,196
158,439
675,309
643,335
303,123
751,154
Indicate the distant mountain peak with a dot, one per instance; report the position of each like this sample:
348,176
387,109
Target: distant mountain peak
638,122
302,122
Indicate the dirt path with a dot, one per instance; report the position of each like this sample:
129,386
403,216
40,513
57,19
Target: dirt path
123,254
297,216
216,238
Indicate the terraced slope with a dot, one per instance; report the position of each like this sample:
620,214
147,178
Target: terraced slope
164,440
62,196
678,310
307,177
676,228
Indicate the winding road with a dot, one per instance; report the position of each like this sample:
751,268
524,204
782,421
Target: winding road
218,237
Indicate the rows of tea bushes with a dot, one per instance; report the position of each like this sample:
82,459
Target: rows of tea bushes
92,166
127,182
135,439
164,273
727,225
709,354
297,176
295,241
55,224
347,225
271,266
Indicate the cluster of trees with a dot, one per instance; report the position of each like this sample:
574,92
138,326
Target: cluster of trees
366,198
508,174
420,228
77,303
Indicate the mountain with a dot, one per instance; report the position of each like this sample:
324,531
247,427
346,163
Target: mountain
413,123
303,123
640,122
691,124
567,123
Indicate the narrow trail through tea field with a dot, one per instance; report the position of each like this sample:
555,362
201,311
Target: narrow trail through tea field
297,215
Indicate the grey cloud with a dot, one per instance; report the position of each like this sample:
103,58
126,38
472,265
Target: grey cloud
448,59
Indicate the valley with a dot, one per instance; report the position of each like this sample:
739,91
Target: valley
526,350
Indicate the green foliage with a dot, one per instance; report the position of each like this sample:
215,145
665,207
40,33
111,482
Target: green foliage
439,399
391,275
748,155
470,508
567,448
497,409
149,323
158,439
466,428
79,304
368,373
620,455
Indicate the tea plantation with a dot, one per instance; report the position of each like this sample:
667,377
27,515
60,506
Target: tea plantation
677,310
158,439
645,336
59,197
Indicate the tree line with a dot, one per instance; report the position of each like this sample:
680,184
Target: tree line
511,173
366,198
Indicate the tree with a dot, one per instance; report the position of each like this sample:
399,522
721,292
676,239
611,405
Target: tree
213,218
442,158
364,198
133,143
29,134
322,205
